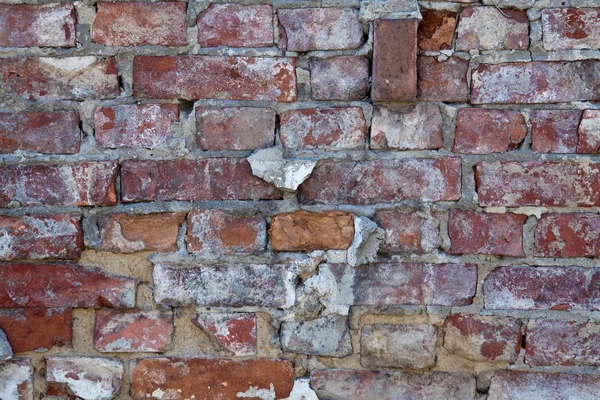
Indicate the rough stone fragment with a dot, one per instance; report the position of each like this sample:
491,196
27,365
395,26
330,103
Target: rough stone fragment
442,81
6,351
285,174
36,329
371,10
555,131
489,28
16,380
521,385
234,333
302,390
327,336
436,30
367,239
567,235
589,132
407,231
343,78
571,28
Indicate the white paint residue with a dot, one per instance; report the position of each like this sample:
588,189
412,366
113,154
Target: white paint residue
255,392
302,391
287,175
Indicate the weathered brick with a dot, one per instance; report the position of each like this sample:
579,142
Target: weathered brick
339,78
369,182
571,28
132,331
483,131
225,232
521,385
234,333
436,30
85,183
398,346
567,235
554,131
36,329
76,78
483,338
319,29
482,233
208,179
47,132
134,125
63,285
28,25
489,28
214,77
589,132
442,81
205,378
417,127
235,128
538,183
236,25
407,231
394,60
324,128
536,82
327,336
16,380
127,233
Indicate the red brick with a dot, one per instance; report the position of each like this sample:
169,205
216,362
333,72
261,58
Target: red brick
589,132
206,379
489,28
442,81
554,131
567,235
39,236
128,233
436,30
235,128
370,182
407,231
324,128
571,28
48,25
215,77
36,329
76,78
224,232
234,333
17,376
132,331
536,82
85,183
483,338
481,233
135,125
542,288
139,23
63,285
521,385
236,25
481,131
320,29
394,60
538,183
48,132
208,179
339,78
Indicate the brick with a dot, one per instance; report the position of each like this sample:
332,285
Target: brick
71,78
233,333
339,384
38,237
417,127
370,182
214,77
398,346
36,329
132,331
554,131
481,131
229,128
536,82
442,81
137,23
236,285
16,380
85,183
327,336
186,180
128,233
542,288
520,385
324,128
63,285
537,183
136,125
307,231
567,235
482,233
205,378
589,132
489,28
225,232
236,25
571,28
320,29
407,231
343,78
46,132
436,30
394,58
483,338
47,25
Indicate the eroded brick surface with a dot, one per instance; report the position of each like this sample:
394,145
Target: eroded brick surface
339,78
407,231
36,329
44,25
520,385
234,333
485,28
567,235
327,336
571,28
589,132
436,30
442,81
555,131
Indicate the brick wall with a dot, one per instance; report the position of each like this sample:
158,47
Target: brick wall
300,200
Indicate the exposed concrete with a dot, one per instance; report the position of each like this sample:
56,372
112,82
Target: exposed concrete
367,239
286,175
